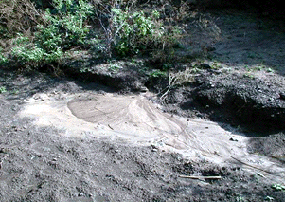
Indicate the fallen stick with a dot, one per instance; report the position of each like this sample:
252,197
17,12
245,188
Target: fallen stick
201,177
110,127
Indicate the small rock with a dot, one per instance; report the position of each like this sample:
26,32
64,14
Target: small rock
80,194
154,150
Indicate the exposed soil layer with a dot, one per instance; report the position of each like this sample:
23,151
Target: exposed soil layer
256,104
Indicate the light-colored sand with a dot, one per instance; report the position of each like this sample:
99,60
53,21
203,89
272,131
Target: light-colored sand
136,120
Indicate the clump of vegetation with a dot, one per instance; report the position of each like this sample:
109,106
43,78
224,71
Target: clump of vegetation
3,59
66,28
278,187
129,31
63,27
25,52
3,89
45,36
136,32
67,25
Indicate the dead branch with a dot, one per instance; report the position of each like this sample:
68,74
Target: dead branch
196,177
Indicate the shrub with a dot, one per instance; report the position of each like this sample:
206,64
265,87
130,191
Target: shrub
30,54
65,27
134,31
129,32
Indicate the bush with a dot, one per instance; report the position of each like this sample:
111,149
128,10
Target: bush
65,27
30,54
130,32
135,31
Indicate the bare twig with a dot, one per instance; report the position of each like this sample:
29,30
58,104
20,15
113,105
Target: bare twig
201,177
110,127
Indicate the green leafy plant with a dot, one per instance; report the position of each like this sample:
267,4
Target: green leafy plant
23,51
269,69
216,65
278,187
65,27
28,54
158,73
240,198
3,89
114,67
3,59
130,32
31,54
134,31
15,91
248,75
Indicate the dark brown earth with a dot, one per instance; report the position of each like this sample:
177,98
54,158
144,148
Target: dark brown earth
39,165
238,88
